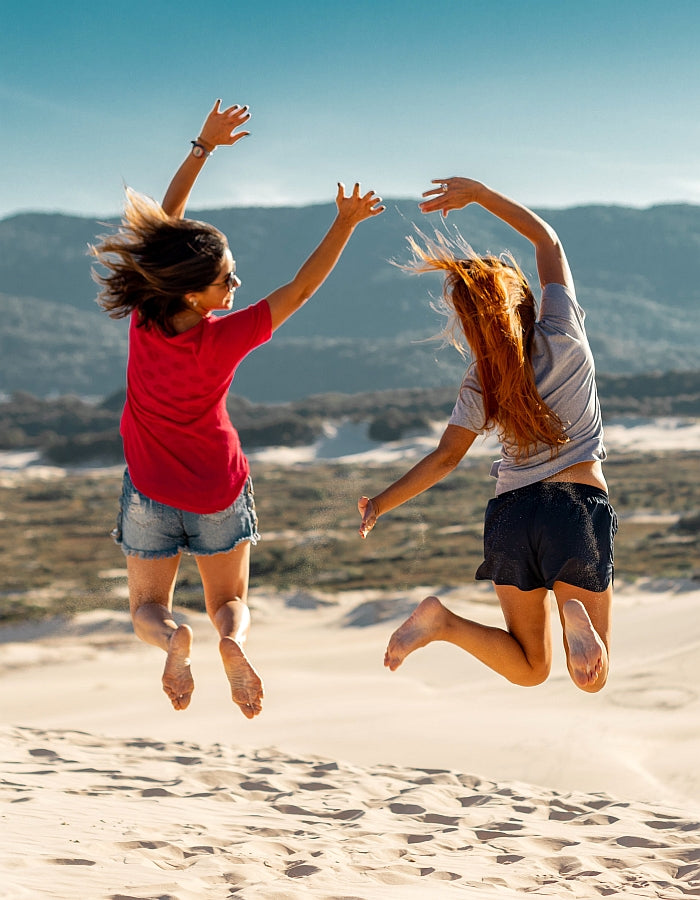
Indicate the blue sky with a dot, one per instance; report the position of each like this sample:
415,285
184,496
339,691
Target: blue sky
558,103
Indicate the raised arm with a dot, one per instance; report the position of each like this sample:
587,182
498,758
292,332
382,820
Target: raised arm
352,210
454,443
219,129
455,193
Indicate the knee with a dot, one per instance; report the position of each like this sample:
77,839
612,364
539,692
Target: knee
538,673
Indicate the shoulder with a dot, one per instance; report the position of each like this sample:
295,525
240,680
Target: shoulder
240,331
559,302
468,411
249,317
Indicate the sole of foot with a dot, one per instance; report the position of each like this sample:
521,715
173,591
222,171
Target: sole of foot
178,683
246,684
419,629
587,653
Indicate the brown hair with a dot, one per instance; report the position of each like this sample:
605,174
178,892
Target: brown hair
153,260
490,305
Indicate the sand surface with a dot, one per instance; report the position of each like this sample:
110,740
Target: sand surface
438,780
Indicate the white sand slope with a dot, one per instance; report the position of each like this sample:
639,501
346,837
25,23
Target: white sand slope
96,817
438,780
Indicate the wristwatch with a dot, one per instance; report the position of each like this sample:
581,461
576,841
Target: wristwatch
199,150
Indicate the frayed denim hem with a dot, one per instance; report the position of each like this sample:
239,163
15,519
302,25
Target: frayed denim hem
170,554
252,540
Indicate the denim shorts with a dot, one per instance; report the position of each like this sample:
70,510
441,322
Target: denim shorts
152,530
549,531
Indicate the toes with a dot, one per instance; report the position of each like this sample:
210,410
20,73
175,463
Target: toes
250,705
178,700
249,709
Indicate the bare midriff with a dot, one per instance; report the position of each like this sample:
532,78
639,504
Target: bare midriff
582,473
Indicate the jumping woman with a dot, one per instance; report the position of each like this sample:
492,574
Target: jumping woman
187,486
532,382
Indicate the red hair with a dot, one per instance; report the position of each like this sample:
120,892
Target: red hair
491,306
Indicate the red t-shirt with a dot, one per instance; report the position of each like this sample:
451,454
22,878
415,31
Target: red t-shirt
179,443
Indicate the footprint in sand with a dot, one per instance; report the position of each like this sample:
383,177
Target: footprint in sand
663,697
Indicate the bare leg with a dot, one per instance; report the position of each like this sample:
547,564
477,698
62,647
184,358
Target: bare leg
522,653
151,586
225,581
585,618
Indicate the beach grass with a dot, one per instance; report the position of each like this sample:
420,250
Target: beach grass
58,557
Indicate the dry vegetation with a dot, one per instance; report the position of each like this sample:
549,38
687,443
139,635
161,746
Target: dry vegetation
58,557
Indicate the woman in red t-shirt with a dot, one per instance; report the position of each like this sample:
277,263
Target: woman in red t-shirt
187,485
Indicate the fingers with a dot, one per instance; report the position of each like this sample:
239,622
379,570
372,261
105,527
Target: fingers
436,197
435,206
366,205
374,202
442,186
234,117
240,113
369,516
221,124
355,192
370,199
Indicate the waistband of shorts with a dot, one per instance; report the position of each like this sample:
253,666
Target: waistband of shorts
553,487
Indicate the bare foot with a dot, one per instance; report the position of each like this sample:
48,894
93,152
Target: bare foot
587,652
178,683
246,686
419,629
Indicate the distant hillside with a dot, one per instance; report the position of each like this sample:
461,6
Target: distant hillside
70,431
366,329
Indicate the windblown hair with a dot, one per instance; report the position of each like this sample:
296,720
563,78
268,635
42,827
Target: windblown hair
153,260
489,305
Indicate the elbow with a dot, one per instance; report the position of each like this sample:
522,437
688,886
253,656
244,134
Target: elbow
302,291
545,235
452,448
550,238
305,293
447,460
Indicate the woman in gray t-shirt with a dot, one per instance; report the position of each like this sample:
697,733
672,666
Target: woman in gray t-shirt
532,381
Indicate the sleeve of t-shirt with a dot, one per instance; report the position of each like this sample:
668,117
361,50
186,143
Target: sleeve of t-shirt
236,334
559,305
468,411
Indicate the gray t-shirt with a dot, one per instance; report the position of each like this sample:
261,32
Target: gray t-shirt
565,378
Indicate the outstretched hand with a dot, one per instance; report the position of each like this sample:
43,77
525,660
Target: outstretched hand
450,193
369,515
356,208
220,125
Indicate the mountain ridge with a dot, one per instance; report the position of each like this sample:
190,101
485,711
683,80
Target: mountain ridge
369,326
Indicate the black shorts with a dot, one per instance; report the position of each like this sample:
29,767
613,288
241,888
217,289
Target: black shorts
549,531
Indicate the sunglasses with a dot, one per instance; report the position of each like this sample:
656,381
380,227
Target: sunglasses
231,281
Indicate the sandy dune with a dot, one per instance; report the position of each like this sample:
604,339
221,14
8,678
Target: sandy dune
438,780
